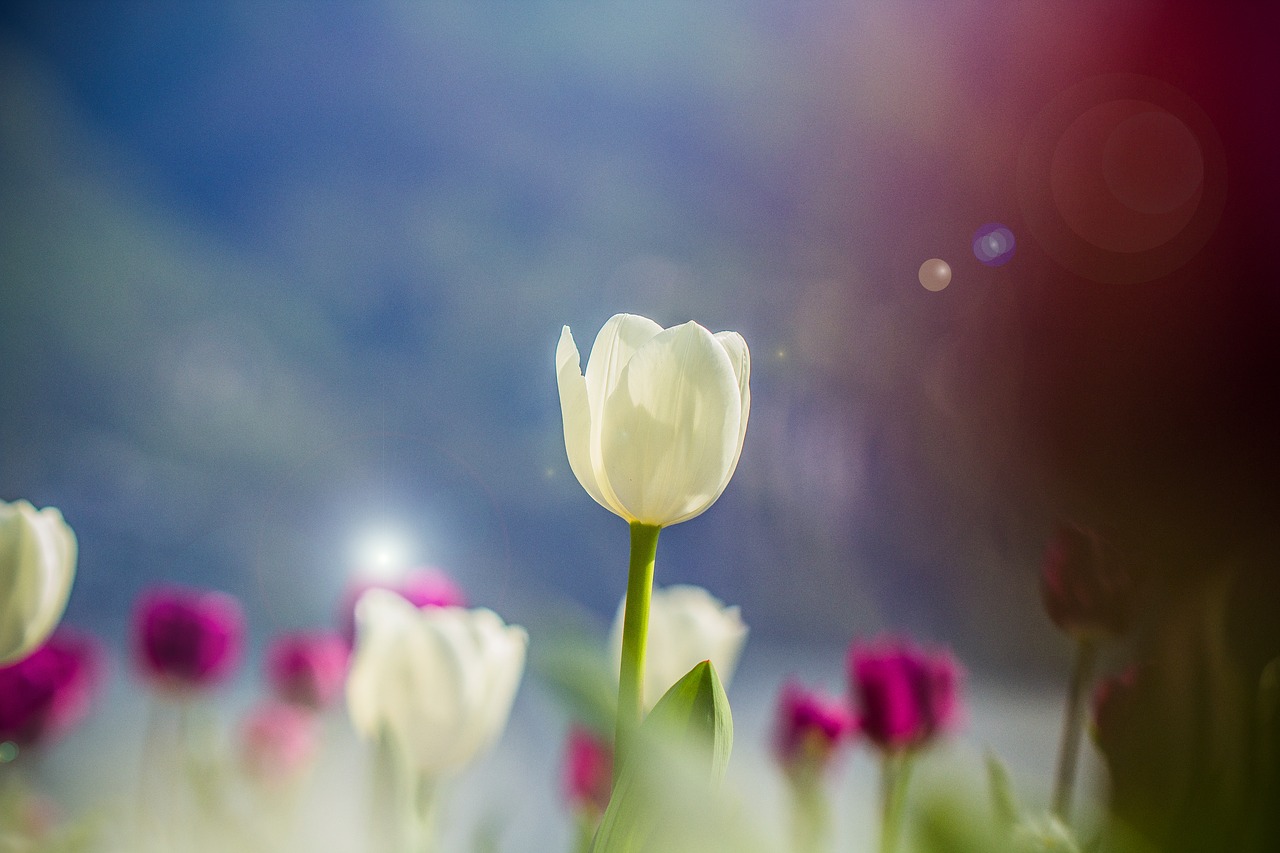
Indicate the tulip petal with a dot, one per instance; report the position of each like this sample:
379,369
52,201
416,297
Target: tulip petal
614,346
669,431
37,567
576,413
616,343
740,357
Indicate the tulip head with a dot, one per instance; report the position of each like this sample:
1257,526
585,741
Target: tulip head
438,683
1086,591
588,771
277,742
37,566
1114,714
687,625
906,696
808,729
655,426
49,691
308,669
186,639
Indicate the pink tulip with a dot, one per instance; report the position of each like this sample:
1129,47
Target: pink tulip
906,696
187,639
46,693
588,771
308,669
808,729
277,741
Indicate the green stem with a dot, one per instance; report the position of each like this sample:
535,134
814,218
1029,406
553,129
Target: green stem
1072,726
895,772
810,815
635,630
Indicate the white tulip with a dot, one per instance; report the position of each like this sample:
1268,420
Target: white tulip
37,566
654,428
687,625
437,682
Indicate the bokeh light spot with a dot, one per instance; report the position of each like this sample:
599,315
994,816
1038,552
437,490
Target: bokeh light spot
382,553
993,244
935,274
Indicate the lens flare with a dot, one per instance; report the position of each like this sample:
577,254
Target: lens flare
935,274
993,244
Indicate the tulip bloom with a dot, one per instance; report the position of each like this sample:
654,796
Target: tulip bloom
687,625
808,729
588,771
1085,592
654,428
49,691
308,669
187,639
37,566
438,683
277,742
906,696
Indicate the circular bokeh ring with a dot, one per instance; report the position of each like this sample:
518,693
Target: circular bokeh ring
1122,179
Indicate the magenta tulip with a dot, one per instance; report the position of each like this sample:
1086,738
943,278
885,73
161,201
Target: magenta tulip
188,639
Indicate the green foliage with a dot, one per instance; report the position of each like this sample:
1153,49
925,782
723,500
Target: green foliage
665,797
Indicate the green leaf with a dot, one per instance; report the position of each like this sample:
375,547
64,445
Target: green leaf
680,756
1004,804
695,712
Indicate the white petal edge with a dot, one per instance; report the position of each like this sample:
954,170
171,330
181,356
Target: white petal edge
575,411
618,340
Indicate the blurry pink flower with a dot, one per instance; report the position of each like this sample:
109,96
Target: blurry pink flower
425,587
277,742
1086,591
49,691
906,696
186,638
1113,701
588,770
308,669
808,729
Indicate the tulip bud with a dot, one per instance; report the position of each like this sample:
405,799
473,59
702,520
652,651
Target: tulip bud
46,693
37,566
187,639
1113,701
277,742
808,730
906,696
308,670
687,625
654,428
588,771
1086,592
438,683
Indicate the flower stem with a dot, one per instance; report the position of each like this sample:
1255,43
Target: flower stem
895,772
1072,725
635,630
810,815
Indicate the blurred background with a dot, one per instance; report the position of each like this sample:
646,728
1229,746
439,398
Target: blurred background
282,284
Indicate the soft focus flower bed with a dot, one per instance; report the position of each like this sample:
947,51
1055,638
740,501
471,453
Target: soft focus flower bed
653,428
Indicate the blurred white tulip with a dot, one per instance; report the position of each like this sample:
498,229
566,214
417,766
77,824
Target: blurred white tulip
37,566
654,428
687,625
437,683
